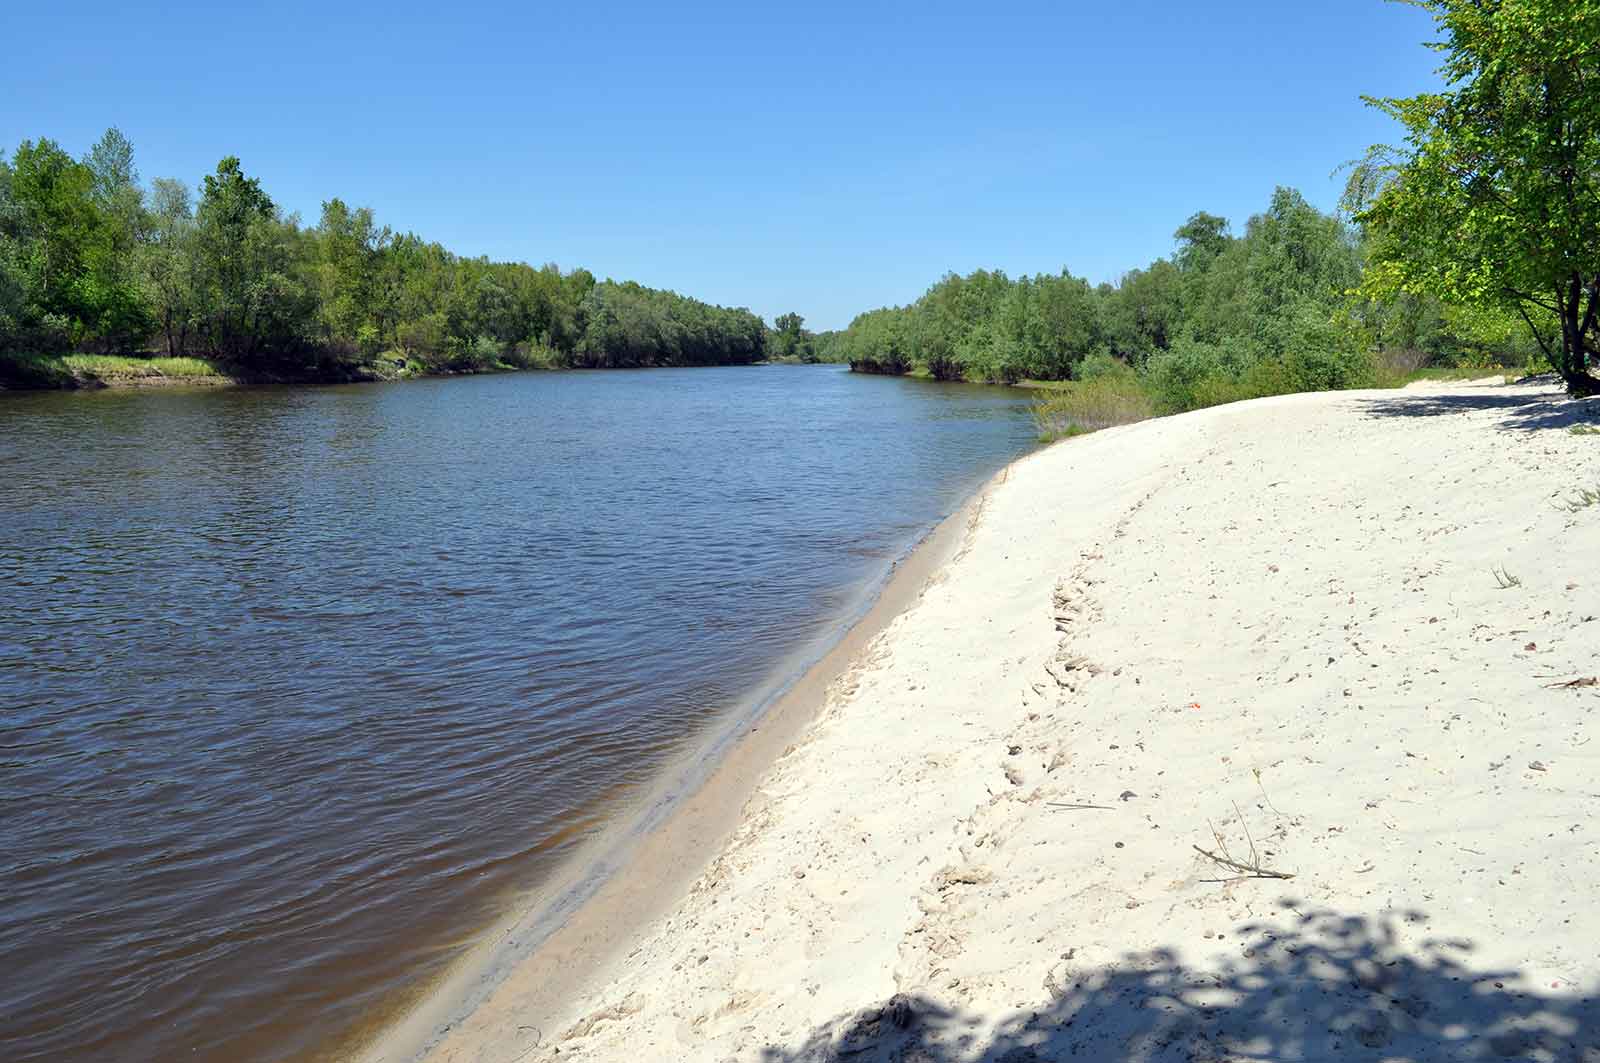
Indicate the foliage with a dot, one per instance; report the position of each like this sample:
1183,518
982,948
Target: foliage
791,341
1492,201
1111,393
91,261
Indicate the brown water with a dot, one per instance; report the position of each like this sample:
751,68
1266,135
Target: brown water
297,685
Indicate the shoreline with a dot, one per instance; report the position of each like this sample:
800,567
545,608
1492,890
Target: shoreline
18,377
558,939
1006,833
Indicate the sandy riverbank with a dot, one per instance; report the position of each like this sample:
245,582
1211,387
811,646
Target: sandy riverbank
1275,627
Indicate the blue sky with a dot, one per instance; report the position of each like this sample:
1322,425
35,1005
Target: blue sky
826,158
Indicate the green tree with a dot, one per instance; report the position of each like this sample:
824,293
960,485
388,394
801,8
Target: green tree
791,339
13,278
1200,240
1495,196
121,316
355,310
255,310
167,263
55,225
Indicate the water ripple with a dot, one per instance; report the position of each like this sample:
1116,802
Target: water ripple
296,686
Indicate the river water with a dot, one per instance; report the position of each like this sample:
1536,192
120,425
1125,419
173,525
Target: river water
298,685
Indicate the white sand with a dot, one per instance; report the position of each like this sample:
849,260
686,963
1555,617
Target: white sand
1276,617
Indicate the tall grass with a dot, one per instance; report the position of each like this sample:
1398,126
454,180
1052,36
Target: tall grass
122,367
1081,406
69,370
1193,376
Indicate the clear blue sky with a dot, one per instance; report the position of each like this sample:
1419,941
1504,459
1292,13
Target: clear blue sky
827,158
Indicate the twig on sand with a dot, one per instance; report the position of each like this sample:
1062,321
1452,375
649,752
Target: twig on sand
1586,681
538,1039
1223,858
1075,808
1504,578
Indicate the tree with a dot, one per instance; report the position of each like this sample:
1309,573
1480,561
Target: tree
110,162
121,316
253,306
167,262
1495,196
1200,240
353,299
791,339
56,223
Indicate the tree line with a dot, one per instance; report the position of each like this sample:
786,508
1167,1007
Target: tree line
90,260
1280,305
1475,242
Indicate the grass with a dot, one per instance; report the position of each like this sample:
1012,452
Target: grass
1505,578
1116,396
1584,430
123,367
1455,373
73,370
1386,378
1583,500
1070,408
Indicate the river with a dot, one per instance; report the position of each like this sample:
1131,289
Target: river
298,686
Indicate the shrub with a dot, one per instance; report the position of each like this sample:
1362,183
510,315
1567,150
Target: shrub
1101,364
1177,374
424,338
482,353
1323,356
1089,405
988,355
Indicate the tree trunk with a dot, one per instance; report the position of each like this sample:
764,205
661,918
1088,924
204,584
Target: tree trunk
1576,322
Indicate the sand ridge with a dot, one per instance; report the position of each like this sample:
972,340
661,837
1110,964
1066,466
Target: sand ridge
1319,635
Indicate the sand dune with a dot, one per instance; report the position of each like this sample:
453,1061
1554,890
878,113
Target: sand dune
1324,636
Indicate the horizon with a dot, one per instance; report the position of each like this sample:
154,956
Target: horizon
858,185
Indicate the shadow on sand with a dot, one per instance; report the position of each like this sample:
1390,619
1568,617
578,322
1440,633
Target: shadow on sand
1313,985
1523,409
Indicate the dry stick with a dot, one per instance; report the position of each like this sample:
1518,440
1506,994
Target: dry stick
1076,808
1247,871
1251,870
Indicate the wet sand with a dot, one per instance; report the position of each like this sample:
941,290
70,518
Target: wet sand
559,940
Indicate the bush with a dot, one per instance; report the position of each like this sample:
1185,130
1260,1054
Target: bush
1089,405
1179,374
990,356
482,353
888,359
1100,365
424,338
533,355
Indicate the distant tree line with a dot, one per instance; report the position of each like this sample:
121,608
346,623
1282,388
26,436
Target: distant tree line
1280,303
92,261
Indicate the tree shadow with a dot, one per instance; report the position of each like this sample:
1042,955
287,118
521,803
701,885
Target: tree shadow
1526,411
1314,985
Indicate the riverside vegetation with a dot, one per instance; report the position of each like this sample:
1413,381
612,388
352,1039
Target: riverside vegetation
97,273
1474,245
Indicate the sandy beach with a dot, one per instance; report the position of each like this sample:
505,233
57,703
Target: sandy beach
1260,732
